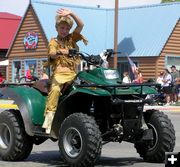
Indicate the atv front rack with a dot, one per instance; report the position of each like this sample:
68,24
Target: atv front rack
123,86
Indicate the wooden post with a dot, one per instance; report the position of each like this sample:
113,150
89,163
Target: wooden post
116,32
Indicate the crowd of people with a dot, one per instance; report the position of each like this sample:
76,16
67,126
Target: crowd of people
169,81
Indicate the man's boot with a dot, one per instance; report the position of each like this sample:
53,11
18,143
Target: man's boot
48,121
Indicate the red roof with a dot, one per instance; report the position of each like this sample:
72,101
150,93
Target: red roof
9,24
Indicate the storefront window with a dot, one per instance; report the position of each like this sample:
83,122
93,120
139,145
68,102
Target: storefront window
31,68
172,60
16,71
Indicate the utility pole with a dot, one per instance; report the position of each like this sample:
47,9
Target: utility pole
116,32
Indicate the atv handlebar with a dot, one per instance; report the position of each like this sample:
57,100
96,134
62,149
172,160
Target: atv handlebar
108,52
94,59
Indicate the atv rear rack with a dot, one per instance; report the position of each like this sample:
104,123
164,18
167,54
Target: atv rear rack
15,84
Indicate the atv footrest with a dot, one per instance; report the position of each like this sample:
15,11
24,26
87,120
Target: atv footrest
147,135
42,134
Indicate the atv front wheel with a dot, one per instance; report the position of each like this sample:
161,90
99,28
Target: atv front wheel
15,144
80,140
163,134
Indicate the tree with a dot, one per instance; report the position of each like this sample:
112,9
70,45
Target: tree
165,1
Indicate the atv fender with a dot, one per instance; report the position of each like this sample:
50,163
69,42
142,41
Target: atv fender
30,102
68,104
61,113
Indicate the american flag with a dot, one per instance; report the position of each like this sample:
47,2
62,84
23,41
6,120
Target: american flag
133,67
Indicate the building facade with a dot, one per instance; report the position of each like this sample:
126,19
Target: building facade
29,48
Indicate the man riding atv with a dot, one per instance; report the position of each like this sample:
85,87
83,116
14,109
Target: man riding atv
63,64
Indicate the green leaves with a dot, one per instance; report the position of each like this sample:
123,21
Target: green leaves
167,1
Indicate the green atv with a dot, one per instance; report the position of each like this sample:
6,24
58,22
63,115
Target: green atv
95,109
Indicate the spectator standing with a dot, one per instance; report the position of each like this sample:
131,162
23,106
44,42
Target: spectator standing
175,90
138,76
30,72
1,78
167,89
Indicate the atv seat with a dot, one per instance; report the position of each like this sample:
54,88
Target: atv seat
42,85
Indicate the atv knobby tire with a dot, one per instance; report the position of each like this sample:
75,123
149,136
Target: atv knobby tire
164,137
80,140
15,144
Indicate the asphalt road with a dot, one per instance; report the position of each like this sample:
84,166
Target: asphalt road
113,154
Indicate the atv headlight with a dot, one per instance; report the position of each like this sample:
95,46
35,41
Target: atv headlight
111,74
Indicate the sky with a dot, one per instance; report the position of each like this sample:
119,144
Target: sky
18,7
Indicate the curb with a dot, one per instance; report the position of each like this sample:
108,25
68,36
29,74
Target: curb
7,104
164,108
6,101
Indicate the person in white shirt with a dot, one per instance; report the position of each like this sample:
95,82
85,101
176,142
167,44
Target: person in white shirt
126,78
167,89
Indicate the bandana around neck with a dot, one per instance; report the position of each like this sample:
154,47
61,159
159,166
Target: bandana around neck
63,39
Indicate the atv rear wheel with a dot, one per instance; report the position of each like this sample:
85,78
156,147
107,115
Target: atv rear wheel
80,140
163,134
15,144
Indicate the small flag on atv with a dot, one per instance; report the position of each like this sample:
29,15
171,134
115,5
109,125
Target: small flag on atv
132,66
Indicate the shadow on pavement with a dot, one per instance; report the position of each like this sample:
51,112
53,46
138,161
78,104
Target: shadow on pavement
109,161
53,158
